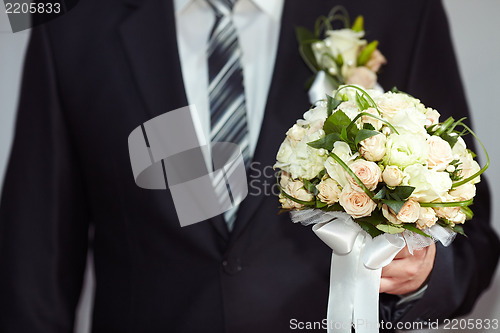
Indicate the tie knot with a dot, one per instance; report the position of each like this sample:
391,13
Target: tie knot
222,7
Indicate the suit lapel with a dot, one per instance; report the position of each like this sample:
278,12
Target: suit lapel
149,39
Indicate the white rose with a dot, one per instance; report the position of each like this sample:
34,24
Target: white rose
373,148
296,133
377,124
464,192
284,153
329,191
429,185
295,189
362,76
406,149
350,108
440,154
392,175
427,218
357,204
409,121
335,170
460,148
318,113
410,212
391,103
301,160
345,42
368,172
432,117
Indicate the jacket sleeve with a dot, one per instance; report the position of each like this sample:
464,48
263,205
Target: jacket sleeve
43,214
463,270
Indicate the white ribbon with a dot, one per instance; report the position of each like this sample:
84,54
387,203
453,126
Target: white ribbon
356,267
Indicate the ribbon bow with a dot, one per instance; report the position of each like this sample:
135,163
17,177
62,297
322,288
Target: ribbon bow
356,268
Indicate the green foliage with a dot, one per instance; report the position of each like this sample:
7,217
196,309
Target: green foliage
331,104
390,228
358,24
326,142
367,52
336,122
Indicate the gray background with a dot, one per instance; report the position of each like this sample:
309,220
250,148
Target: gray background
475,27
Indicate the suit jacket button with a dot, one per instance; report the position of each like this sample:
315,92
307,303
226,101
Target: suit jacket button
232,266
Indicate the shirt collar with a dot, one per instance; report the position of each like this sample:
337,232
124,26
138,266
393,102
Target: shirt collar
270,7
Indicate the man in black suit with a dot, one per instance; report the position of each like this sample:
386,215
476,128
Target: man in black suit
104,68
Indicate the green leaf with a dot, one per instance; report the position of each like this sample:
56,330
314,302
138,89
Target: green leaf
320,204
369,228
343,134
395,205
367,52
336,122
469,214
358,24
375,219
395,90
412,227
447,204
451,139
335,207
362,103
390,228
309,186
380,194
305,39
403,192
459,230
363,135
368,126
331,104
326,142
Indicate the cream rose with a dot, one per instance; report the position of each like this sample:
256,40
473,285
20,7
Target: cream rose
368,172
392,175
464,192
329,191
362,76
376,61
389,215
373,148
295,189
391,103
427,218
410,212
440,154
432,117
357,204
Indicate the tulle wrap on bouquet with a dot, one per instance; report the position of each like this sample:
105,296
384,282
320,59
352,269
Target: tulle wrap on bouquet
357,262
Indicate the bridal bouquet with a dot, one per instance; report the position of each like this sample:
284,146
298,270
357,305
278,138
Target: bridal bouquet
382,158
340,56
375,172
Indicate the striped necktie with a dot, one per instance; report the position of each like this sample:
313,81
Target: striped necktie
228,113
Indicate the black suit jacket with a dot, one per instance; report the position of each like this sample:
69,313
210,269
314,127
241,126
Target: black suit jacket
104,68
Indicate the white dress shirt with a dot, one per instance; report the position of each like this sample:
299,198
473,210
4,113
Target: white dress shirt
258,25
